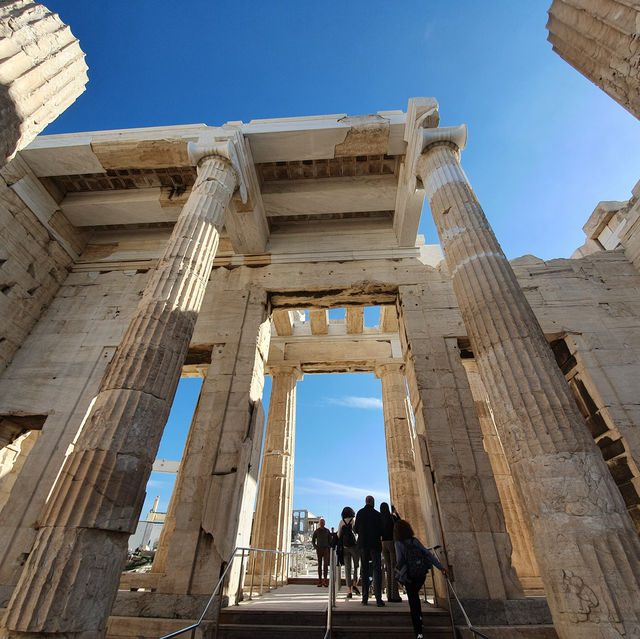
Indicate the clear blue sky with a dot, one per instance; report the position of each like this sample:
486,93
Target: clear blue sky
545,145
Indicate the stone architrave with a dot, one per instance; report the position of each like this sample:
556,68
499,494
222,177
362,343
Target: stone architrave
274,508
42,72
403,487
71,577
585,543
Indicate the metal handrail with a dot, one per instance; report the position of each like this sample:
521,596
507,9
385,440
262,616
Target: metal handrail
234,554
331,602
464,612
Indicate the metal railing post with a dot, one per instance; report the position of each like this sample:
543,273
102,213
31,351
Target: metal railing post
253,575
239,590
220,582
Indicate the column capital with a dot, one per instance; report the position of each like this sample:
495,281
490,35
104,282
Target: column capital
388,368
247,225
285,369
455,136
220,148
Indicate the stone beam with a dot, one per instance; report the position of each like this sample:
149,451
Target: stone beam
330,195
282,322
354,319
318,321
421,113
388,319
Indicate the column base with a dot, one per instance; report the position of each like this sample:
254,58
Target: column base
163,605
530,611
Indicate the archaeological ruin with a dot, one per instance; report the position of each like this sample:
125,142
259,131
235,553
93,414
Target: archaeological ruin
510,389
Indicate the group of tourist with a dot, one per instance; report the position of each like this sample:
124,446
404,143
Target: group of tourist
368,538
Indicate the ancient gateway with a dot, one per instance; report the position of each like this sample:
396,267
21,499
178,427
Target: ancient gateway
131,258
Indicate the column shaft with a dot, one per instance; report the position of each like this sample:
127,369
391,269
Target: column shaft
399,440
274,508
522,556
71,577
585,543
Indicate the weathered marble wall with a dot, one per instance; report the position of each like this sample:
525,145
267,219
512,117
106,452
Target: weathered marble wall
37,247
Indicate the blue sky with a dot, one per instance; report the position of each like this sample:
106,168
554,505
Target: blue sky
545,145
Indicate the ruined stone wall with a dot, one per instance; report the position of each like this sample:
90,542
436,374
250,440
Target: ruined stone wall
614,225
37,246
600,39
592,304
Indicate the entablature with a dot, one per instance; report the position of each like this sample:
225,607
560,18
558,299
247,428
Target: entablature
322,169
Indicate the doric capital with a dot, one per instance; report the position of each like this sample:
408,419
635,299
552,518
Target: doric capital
388,368
246,224
450,135
287,370
224,147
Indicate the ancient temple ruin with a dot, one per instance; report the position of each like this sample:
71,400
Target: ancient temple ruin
510,390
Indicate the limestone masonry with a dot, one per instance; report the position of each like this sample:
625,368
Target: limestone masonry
131,258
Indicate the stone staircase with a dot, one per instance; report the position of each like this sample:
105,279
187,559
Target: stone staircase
353,623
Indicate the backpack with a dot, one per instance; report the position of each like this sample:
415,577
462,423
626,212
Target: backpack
348,536
417,561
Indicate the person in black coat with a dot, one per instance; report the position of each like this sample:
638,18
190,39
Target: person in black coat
369,528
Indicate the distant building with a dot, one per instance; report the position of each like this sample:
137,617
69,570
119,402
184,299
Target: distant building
304,523
148,531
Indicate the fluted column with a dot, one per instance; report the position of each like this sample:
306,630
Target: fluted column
600,39
399,439
522,556
586,546
71,577
42,72
274,508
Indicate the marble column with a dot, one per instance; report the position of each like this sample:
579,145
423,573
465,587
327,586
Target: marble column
71,576
585,543
42,72
600,39
399,439
522,556
274,508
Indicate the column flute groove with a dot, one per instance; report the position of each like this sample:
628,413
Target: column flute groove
574,510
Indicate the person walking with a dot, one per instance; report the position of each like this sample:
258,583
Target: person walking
350,552
389,552
413,563
368,526
321,540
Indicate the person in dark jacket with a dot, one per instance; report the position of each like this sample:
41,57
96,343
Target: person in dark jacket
321,540
389,518
369,528
403,536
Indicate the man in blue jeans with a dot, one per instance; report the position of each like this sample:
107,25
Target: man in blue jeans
369,528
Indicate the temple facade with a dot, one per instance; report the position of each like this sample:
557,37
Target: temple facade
509,389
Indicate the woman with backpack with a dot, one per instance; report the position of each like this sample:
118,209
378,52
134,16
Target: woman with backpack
413,563
351,554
